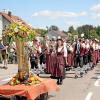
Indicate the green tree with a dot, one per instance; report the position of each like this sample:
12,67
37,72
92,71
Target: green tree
98,30
41,32
71,29
74,33
92,34
85,29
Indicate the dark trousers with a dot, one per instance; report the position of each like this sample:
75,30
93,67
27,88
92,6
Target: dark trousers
34,63
42,59
64,73
78,61
86,58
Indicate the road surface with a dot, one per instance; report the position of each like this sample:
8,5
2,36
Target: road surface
86,88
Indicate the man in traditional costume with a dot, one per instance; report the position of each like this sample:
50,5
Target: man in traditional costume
42,56
34,59
78,58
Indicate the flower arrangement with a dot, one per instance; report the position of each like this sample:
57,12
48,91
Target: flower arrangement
22,32
32,80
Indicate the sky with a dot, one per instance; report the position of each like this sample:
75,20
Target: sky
62,13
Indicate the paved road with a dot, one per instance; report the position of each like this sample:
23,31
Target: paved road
86,88
5,74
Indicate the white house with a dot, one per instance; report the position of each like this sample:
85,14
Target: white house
3,23
6,18
56,34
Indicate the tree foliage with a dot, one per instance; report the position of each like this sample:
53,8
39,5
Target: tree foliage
89,31
15,30
71,29
41,32
98,30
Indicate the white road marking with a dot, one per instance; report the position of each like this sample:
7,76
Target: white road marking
97,82
88,97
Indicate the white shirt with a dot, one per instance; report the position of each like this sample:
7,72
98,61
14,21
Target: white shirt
65,50
87,46
83,45
97,46
93,45
40,50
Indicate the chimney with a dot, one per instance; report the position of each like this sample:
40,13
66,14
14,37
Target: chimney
4,10
9,13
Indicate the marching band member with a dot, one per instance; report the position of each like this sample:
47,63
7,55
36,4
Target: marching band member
97,51
65,58
34,52
82,53
32,59
48,58
53,55
44,49
69,56
78,58
93,54
61,55
42,57
86,58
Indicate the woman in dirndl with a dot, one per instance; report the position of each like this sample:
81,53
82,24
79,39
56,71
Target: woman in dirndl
50,58
93,55
99,51
61,54
48,69
69,56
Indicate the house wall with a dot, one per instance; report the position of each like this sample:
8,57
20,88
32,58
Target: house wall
0,26
5,23
52,34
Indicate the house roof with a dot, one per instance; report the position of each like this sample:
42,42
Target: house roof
14,19
57,33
